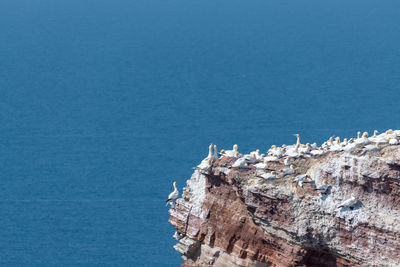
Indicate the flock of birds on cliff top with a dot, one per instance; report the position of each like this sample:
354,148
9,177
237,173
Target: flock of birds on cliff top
292,152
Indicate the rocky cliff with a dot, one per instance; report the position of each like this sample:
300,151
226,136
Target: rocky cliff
236,217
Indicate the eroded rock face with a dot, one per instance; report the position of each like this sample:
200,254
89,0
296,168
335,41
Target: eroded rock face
233,217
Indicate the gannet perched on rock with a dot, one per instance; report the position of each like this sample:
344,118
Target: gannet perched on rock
272,151
314,145
300,179
240,163
317,152
271,158
298,140
337,140
271,175
348,203
379,138
215,154
390,131
252,158
363,140
345,142
287,161
323,188
351,147
288,171
232,153
257,154
262,165
210,152
393,141
292,152
279,152
335,146
204,165
305,148
330,141
370,148
173,196
212,155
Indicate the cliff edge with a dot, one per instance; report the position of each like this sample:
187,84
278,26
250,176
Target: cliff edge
335,208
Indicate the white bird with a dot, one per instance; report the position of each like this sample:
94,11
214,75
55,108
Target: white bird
279,152
298,140
370,148
215,154
348,203
287,161
344,143
305,148
364,139
330,141
271,175
256,154
388,132
300,179
173,196
210,152
317,152
314,146
261,165
231,153
240,163
379,139
271,158
292,152
322,189
335,146
250,157
337,140
351,147
288,171
272,150
393,141
204,165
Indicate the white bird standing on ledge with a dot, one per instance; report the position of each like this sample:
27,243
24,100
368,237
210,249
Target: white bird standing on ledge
288,171
215,154
298,140
204,165
210,152
323,188
173,196
349,203
231,153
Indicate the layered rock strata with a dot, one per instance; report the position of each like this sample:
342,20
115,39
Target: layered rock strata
233,217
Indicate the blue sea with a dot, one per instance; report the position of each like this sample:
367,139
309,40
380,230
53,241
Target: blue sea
103,104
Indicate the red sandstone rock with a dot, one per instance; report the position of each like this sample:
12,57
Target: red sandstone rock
230,217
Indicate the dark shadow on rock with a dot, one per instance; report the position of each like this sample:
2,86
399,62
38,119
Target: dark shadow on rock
357,206
394,166
314,258
326,194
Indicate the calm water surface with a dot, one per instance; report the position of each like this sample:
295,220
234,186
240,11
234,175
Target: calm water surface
104,103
